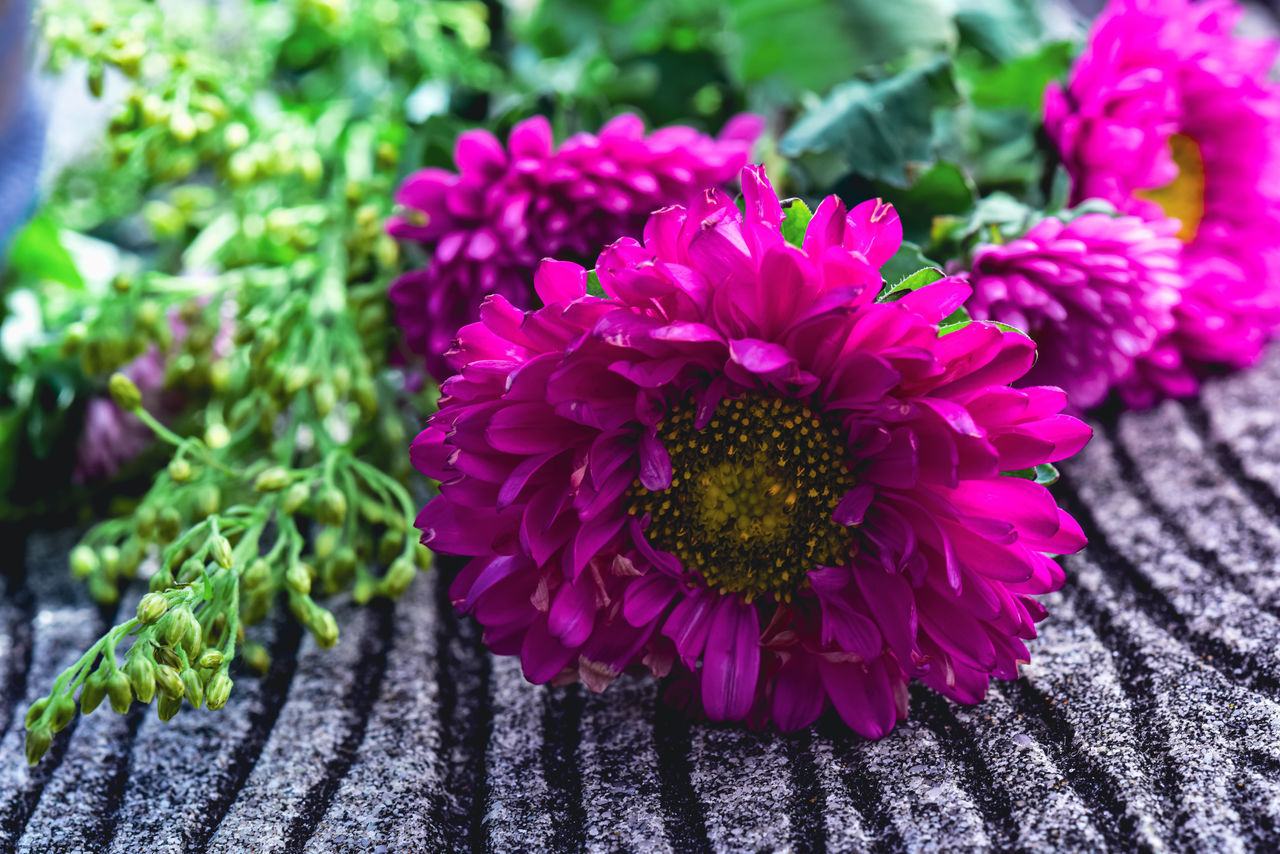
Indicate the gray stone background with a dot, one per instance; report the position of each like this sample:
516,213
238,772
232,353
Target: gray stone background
1149,718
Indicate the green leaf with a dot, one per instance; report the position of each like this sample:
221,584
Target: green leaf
914,282
38,251
906,262
1004,327
1021,82
1044,474
882,131
942,191
1002,29
795,221
815,44
594,288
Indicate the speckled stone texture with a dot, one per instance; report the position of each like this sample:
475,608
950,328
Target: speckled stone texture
1148,720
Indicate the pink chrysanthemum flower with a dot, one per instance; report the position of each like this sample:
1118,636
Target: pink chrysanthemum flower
489,225
1096,293
1167,114
742,468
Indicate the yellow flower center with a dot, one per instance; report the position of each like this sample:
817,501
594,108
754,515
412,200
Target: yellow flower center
751,495
1183,198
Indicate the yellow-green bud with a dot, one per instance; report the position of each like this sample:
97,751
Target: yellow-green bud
64,709
211,658
142,677
84,561
93,692
364,590
298,578
152,607
390,545
218,691
398,578
36,711
342,380
273,479
182,126
217,436
168,707
208,500
331,507
325,398
103,590
327,542
168,681
258,574
110,556
120,692
168,520
38,741
124,392
256,657
221,551
94,80
236,135
366,396
324,627
295,498
193,688
180,470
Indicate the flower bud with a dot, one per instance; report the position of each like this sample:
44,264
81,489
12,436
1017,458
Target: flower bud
142,677
364,590
256,657
168,707
152,607
110,557
236,136
131,557
38,741
342,568
324,627
221,551
168,521
64,709
211,658
273,479
366,397
327,543
103,590
93,692
325,398
295,498
180,470
398,578
208,500
331,507
120,692
182,126
169,682
36,711
218,691
84,561
258,574
298,578
124,392
193,688
390,545
217,436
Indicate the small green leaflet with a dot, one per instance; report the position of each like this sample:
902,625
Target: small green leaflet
1044,474
38,251
795,222
593,285
914,282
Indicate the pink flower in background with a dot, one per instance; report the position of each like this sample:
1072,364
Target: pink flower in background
111,438
1167,114
1096,294
488,226
740,468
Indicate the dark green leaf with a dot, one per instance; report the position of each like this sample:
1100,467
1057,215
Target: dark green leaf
594,287
38,251
942,191
796,221
1021,83
906,262
882,131
814,44
914,282
1044,474
1002,29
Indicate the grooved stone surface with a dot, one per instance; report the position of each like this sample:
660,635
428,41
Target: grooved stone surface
1149,718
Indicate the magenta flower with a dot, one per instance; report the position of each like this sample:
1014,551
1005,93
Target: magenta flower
1096,293
1167,114
488,226
742,469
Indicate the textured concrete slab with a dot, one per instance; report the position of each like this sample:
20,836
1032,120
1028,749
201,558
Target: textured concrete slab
1149,718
